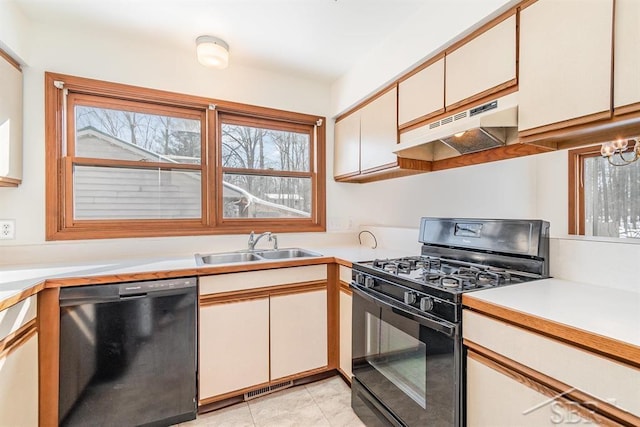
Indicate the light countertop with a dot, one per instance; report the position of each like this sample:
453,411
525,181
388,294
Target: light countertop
18,279
600,310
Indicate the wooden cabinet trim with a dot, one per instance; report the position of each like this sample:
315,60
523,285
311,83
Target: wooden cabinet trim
627,109
489,93
588,406
15,339
492,155
266,292
539,131
48,356
479,31
405,167
368,100
224,396
598,344
10,60
421,120
451,111
9,182
344,287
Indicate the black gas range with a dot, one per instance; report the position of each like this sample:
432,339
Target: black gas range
406,330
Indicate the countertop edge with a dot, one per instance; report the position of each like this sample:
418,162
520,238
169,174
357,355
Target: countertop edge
606,346
57,282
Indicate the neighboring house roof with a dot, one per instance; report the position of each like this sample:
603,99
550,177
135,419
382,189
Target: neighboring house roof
128,151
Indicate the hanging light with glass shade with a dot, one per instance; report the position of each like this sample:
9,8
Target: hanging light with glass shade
616,151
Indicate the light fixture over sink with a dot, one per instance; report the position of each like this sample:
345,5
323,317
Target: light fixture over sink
212,52
614,151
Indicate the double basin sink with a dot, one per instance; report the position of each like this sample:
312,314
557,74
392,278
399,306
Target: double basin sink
252,256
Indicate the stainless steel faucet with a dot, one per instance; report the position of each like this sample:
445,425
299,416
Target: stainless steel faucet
253,240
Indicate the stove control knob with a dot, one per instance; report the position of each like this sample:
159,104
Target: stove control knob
426,304
368,282
409,298
359,278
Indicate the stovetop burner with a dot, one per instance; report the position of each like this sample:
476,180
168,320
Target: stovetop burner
446,274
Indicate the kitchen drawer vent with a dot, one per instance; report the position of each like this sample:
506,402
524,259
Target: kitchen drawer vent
267,390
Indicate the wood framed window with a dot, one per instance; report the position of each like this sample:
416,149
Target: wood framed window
604,200
124,161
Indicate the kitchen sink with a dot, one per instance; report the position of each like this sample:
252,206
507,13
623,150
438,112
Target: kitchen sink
287,253
226,258
247,256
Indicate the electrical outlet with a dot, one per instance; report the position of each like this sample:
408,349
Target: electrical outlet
7,229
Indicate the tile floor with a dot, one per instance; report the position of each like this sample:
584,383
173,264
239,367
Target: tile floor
323,403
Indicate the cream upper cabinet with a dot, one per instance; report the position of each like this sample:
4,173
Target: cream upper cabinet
422,94
379,131
484,63
365,139
234,346
565,62
626,79
298,333
346,154
10,122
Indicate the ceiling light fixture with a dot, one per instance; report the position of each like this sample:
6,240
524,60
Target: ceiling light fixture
212,52
617,148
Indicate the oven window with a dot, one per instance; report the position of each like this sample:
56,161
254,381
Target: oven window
410,369
399,357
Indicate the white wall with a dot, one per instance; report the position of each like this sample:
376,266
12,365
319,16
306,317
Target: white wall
13,30
424,33
88,53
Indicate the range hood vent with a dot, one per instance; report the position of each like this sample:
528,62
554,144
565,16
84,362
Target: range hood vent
480,128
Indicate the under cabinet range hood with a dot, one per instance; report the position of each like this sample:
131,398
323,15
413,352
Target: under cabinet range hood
482,127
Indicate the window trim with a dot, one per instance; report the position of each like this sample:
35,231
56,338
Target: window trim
60,224
576,186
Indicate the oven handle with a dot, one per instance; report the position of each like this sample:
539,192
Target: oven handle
385,302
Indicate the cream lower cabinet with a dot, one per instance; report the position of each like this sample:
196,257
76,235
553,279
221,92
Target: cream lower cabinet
258,328
19,384
500,399
19,364
234,346
298,333
345,322
518,377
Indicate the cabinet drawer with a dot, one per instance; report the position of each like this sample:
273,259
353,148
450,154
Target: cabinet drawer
345,274
16,316
262,278
602,378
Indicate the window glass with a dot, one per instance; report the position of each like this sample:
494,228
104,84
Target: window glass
129,135
611,198
255,196
266,168
247,147
128,193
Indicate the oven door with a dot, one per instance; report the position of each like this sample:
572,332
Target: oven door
406,366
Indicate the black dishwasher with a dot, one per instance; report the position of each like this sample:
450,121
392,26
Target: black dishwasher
128,353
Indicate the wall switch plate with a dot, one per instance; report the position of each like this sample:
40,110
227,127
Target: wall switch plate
7,229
